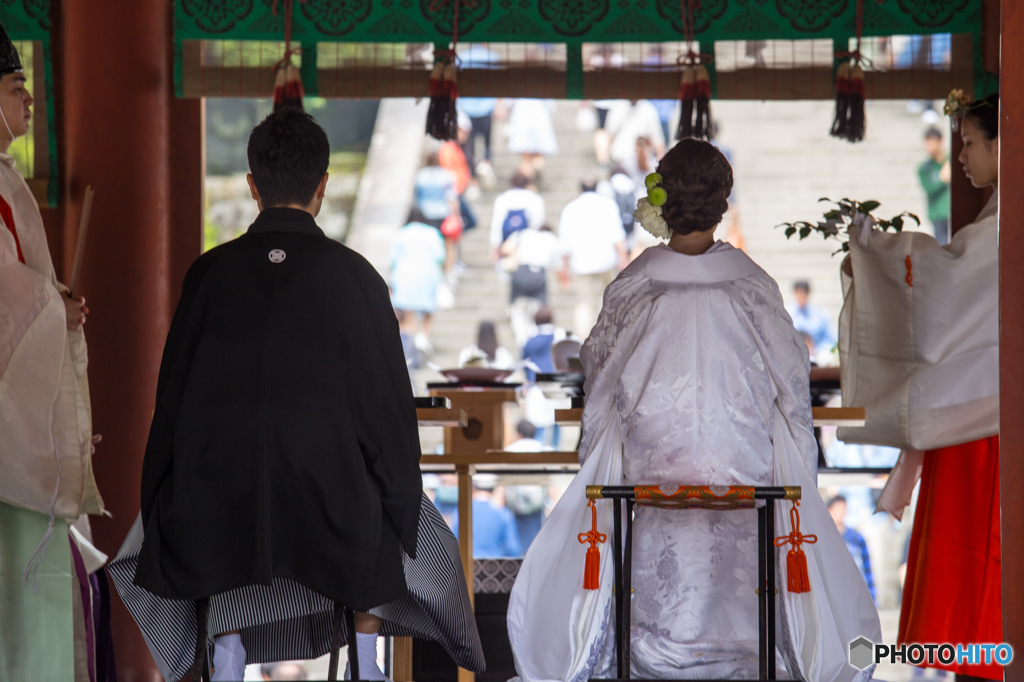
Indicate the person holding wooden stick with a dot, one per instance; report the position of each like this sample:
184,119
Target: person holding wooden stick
46,478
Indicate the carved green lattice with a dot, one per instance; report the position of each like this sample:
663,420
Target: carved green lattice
572,22
566,21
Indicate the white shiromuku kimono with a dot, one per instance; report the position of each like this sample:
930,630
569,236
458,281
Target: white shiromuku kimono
695,376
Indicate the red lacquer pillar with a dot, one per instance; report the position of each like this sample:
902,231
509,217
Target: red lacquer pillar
123,133
1011,329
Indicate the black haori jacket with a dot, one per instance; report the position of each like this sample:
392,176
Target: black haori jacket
284,442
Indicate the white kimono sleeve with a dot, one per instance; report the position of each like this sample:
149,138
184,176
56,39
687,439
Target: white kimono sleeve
558,630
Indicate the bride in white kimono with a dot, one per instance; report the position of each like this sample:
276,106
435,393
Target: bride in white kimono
695,375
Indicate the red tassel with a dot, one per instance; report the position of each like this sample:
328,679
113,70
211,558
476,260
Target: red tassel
702,128
687,95
592,567
855,116
796,571
839,123
437,80
797,579
442,118
288,90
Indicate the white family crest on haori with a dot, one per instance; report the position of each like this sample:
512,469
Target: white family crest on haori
695,376
276,256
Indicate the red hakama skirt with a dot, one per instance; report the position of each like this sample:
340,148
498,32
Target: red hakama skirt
953,589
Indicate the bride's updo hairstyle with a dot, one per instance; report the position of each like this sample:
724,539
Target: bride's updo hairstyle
698,181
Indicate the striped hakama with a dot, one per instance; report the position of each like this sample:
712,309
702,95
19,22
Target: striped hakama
288,621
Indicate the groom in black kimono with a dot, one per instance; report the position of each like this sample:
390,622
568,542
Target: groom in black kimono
284,442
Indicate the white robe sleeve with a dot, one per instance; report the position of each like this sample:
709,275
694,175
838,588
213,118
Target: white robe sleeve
558,630
815,627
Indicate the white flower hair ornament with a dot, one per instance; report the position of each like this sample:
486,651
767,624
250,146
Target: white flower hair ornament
648,209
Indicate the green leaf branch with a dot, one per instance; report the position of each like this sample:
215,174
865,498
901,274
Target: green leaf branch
844,213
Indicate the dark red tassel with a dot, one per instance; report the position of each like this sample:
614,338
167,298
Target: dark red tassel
839,124
687,96
288,90
442,118
855,116
702,126
695,104
797,579
592,567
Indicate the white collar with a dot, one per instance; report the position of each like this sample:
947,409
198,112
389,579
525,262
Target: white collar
722,263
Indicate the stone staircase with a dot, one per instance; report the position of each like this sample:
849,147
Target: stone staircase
480,295
783,162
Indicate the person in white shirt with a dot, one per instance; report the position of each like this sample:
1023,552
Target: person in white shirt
594,248
517,208
632,120
531,133
528,255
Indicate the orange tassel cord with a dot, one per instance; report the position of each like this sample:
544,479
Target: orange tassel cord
796,560
592,568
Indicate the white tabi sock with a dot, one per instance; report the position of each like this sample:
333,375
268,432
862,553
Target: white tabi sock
228,658
366,645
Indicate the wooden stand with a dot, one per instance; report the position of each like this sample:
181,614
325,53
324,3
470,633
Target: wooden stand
474,437
483,430
823,416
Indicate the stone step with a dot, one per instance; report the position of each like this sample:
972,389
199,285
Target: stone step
783,162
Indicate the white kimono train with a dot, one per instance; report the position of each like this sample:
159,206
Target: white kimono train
696,376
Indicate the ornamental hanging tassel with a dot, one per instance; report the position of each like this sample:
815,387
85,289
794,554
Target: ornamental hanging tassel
797,579
442,118
687,96
839,124
592,567
288,90
849,121
702,126
695,104
855,115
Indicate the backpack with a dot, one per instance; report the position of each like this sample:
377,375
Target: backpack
626,202
515,220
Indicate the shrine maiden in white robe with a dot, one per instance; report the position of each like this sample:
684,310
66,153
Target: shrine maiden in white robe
45,415
695,375
46,478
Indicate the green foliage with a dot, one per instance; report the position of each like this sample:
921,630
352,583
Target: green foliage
837,221
346,163
212,236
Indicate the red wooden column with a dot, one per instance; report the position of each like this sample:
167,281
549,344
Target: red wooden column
1011,329
123,133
